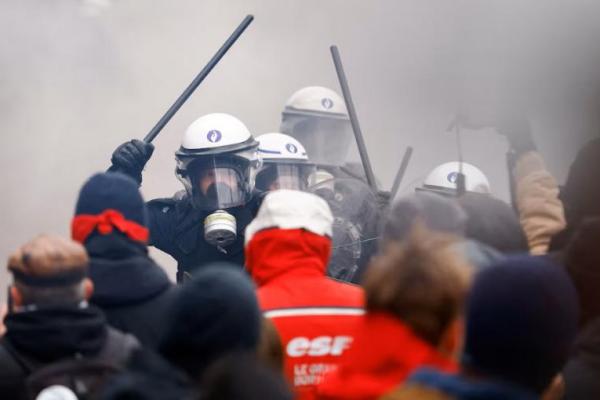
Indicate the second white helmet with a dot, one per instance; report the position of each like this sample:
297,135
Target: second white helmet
316,100
285,163
317,117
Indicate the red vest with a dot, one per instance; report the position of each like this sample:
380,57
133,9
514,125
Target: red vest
314,315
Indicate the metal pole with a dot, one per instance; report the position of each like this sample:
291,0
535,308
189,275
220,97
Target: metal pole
401,172
362,149
198,80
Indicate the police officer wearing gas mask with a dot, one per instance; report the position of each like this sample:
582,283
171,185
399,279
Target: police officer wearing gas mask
217,164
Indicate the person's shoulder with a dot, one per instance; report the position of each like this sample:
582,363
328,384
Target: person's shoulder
348,288
10,367
119,346
174,205
166,204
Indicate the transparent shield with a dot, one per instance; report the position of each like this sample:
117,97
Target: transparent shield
355,229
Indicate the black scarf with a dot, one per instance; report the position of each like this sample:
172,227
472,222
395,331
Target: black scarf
122,271
51,333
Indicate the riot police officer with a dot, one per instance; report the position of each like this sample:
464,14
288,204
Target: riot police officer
317,117
217,164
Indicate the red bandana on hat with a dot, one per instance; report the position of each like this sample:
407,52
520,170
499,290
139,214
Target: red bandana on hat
83,225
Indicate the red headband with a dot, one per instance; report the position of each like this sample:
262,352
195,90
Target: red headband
83,225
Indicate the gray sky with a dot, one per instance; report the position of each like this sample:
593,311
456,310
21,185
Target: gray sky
76,80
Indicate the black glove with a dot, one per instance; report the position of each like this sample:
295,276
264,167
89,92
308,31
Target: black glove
131,157
518,133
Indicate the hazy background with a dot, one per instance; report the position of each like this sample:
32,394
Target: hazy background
77,78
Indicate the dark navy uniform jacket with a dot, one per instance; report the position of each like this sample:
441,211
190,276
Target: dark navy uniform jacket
177,228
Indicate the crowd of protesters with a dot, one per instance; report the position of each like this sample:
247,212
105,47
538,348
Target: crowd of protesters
466,298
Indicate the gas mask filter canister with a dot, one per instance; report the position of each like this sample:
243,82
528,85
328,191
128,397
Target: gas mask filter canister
220,229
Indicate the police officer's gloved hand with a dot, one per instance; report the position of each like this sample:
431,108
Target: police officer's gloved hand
518,132
131,157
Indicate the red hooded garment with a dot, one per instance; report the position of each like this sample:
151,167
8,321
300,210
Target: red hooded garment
384,353
314,315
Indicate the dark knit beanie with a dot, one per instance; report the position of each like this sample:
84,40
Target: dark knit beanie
521,321
112,190
214,314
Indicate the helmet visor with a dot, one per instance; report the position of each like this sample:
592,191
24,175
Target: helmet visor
326,140
284,176
219,184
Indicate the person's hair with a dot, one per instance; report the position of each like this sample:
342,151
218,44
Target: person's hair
47,296
421,280
270,349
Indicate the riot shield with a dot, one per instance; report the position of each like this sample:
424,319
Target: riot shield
355,227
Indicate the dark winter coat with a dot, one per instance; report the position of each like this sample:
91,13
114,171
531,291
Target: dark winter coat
583,369
148,376
177,228
132,290
428,384
36,338
580,194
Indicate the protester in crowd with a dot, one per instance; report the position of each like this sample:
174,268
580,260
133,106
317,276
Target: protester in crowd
521,320
493,222
212,315
287,250
414,296
439,214
436,212
50,320
534,190
581,193
111,222
582,259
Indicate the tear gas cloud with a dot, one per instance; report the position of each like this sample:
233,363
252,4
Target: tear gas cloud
80,77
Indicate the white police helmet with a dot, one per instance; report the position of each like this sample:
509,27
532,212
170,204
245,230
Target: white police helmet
316,100
285,163
56,392
217,162
317,117
443,179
